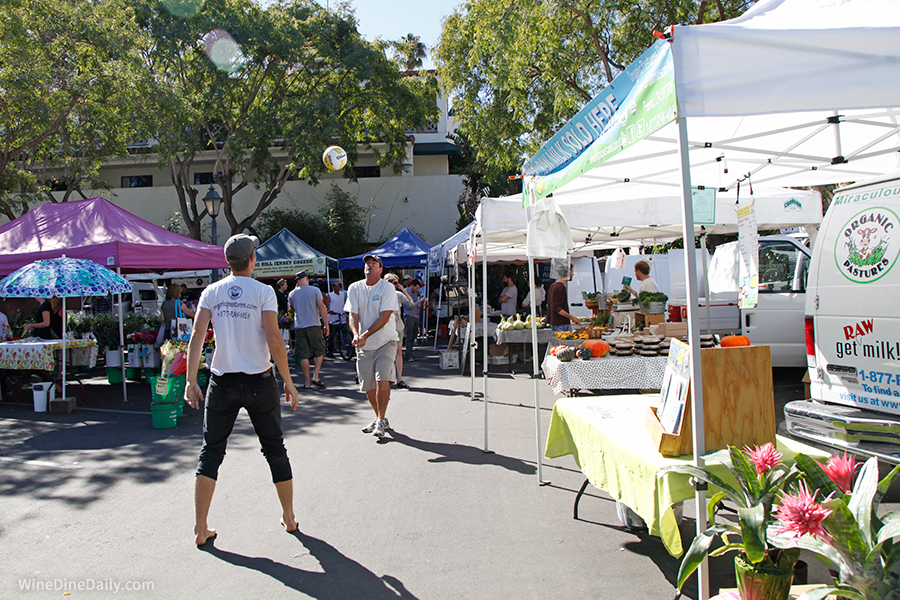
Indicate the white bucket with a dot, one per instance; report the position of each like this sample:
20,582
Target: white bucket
114,358
44,392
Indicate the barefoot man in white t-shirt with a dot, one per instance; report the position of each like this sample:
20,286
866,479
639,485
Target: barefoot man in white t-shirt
244,314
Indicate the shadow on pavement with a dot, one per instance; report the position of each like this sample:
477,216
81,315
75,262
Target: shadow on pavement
462,453
342,579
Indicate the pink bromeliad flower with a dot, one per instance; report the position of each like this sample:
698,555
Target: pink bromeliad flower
841,469
801,514
765,457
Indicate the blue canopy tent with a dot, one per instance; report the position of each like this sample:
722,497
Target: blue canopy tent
284,254
405,249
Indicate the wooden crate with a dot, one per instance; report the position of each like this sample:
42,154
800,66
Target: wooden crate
738,403
648,320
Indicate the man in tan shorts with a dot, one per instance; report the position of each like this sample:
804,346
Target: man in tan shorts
371,304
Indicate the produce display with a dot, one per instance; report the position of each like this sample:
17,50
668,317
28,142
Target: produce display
585,354
598,348
581,334
510,324
645,298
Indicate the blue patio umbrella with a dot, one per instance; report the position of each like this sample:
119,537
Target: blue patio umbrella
64,278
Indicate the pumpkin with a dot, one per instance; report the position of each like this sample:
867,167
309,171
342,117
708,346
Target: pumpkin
555,349
585,353
734,341
598,348
566,354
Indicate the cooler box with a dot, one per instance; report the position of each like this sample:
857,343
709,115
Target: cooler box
724,315
449,360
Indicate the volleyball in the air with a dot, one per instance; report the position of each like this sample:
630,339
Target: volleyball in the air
334,158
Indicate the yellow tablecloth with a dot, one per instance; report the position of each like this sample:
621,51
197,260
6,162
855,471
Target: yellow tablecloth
607,437
40,354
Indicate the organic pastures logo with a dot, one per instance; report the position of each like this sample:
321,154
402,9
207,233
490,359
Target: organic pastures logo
235,292
864,250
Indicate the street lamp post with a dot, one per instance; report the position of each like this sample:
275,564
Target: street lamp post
213,202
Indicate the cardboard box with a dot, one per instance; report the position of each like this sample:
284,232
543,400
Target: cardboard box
673,329
449,360
498,350
62,406
807,394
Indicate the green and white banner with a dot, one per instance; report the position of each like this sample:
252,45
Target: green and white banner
640,101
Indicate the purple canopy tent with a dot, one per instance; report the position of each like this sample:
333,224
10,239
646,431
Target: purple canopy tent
98,230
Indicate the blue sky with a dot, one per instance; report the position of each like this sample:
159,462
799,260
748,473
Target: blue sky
393,19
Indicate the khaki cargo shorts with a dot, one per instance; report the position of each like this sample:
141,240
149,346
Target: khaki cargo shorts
376,365
310,342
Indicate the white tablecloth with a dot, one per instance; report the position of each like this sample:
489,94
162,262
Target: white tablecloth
607,373
522,336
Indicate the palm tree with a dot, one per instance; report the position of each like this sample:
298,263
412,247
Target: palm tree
409,51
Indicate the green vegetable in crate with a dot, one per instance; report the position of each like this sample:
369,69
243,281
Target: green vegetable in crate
623,296
566,354
585,353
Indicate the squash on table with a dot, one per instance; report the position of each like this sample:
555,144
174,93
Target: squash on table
598,347
566,354
734,341
585,353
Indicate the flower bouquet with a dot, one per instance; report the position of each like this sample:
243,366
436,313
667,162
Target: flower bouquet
763,571
839,521
287,319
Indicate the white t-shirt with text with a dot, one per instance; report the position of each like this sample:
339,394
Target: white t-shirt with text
236,305
369,301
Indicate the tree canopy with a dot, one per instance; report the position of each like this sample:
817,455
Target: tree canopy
517,70
70,77
265,91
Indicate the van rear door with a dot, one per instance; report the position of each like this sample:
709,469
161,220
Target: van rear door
777,319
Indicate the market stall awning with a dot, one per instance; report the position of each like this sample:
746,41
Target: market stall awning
284,254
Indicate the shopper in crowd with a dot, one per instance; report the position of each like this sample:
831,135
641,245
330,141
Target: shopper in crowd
372,304
405,301
310,315
48,323
536,295
101,304
642,274
509,296
334,302
281,295
169,309
411,316
558,314
244,313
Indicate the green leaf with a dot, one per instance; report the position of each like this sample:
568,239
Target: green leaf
846,536
704,475
737,546
883,486
712,507
816,478
860,504
746,474
819,593
753,532
806,542
696,553
892,568
890,527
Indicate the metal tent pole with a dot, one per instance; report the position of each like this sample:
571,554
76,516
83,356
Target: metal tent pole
687,211
122,343
484,317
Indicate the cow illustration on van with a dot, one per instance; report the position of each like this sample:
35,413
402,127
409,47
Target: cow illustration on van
863,251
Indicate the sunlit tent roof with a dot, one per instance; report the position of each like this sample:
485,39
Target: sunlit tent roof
405,249
98,230
284,254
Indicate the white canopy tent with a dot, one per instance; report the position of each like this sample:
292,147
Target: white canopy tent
608,222
781,59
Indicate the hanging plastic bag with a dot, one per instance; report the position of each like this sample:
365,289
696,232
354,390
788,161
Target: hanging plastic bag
617,260
179,365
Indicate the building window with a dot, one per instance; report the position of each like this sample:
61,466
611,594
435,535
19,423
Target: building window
133,181
203,178
361,172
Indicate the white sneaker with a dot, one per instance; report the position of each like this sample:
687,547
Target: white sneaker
387,425
371,426
379,429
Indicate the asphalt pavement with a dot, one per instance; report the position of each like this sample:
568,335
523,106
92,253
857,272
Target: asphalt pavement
100,505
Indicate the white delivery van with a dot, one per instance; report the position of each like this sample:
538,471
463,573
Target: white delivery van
852,325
